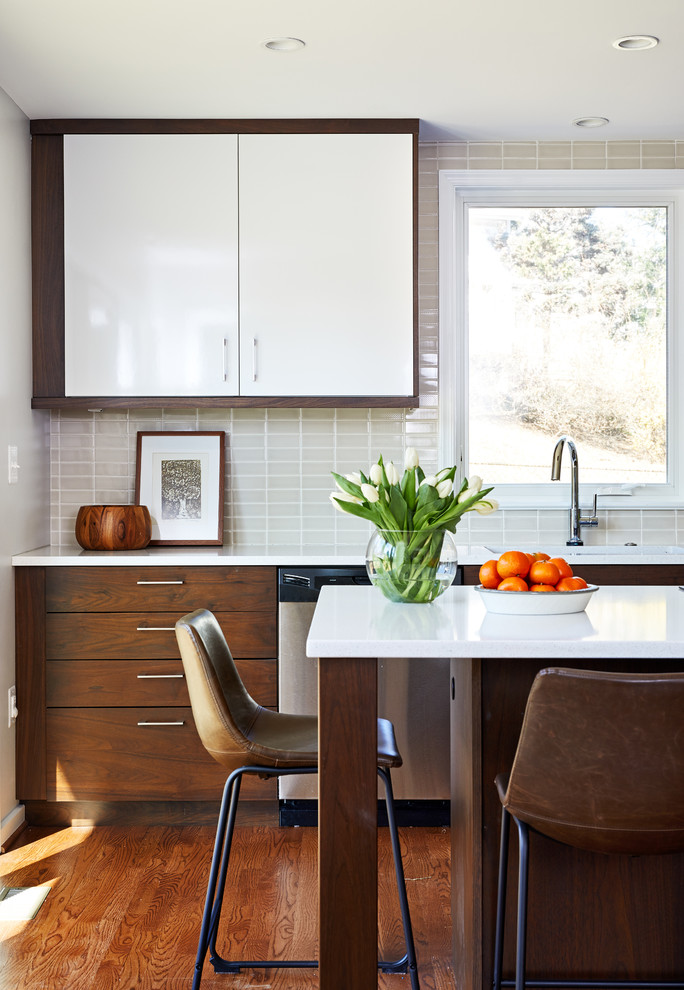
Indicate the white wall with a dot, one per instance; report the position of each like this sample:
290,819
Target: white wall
25,506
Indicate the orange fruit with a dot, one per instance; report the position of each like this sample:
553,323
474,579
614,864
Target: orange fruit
571,584
544,572
540,556
562,565
542,587
513,583
513,563
489,576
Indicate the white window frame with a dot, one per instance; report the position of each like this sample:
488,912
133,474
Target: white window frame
638,187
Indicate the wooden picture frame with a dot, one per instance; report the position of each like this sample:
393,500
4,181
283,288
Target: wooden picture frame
179,477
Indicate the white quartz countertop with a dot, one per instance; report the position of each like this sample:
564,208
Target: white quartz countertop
619,623
283,555
233,556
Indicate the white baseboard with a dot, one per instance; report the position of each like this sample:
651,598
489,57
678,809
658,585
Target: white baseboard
11,823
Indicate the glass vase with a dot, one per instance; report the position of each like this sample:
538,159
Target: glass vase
415,566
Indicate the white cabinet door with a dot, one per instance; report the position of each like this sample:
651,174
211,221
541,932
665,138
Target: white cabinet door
326,264
150,241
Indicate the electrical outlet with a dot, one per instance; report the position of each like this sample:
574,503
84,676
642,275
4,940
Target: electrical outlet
12,711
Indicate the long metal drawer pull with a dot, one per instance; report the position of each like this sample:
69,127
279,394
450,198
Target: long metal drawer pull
155,629
161,723
157,677
160,582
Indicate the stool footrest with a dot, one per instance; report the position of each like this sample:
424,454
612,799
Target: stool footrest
222,965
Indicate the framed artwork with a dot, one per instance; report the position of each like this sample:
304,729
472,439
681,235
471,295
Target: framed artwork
179,477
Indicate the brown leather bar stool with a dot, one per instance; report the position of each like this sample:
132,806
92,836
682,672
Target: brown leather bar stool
248,739
599,766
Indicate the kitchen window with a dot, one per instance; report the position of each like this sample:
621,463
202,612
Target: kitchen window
558,314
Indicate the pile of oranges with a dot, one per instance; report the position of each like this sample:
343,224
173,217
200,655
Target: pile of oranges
516,570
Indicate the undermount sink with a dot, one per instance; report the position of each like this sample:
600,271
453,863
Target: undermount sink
589,551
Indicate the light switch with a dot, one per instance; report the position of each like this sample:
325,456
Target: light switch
12,464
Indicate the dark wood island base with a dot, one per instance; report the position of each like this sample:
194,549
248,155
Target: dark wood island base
610,917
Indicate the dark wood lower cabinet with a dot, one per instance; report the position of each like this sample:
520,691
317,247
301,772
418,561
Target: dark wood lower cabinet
620,574
589,915
123,754
105,730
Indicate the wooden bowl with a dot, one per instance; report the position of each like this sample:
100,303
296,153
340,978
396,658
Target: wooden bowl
113,527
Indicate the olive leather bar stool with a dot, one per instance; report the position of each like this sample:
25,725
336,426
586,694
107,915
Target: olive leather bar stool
245,738
599,766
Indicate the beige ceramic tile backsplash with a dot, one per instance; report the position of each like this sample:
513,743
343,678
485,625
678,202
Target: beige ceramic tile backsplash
279,460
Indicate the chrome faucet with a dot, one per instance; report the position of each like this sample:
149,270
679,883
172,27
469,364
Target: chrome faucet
576,518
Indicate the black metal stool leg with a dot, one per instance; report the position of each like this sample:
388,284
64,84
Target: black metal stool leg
409,961
523,872
228,801
217,883
501,899
227,844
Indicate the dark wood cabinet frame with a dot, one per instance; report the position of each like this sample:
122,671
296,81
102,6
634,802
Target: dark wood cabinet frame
47,233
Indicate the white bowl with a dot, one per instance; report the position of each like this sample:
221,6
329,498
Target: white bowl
536,602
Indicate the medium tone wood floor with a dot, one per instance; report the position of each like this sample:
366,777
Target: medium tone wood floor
125,906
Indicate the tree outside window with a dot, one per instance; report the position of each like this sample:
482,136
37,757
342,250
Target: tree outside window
567,333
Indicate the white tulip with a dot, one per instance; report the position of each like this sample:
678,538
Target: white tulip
392,473
441,475
445,488
430,480
486,506
355,477
336,497
370,493
475,483
410,458
468,493
376,474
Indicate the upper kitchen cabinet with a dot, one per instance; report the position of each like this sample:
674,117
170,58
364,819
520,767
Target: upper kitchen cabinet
150,264
326,264
212,263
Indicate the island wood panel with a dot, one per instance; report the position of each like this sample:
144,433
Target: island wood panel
160,589
590,915
150,635
616,574
101,684
466,822
347,827
104,754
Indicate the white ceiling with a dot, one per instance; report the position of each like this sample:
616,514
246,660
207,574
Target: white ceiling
475,70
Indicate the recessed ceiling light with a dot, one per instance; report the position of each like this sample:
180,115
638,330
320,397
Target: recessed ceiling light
590,121
284,44
636,42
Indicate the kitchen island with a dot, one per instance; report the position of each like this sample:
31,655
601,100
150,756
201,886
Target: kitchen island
615,917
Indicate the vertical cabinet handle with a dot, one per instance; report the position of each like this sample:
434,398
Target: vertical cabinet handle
225,359
254,359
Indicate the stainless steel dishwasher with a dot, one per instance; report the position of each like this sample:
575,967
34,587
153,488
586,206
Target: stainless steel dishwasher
413,693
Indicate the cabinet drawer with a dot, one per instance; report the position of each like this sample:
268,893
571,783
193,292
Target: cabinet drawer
103,754
150,635
158,589
125,683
